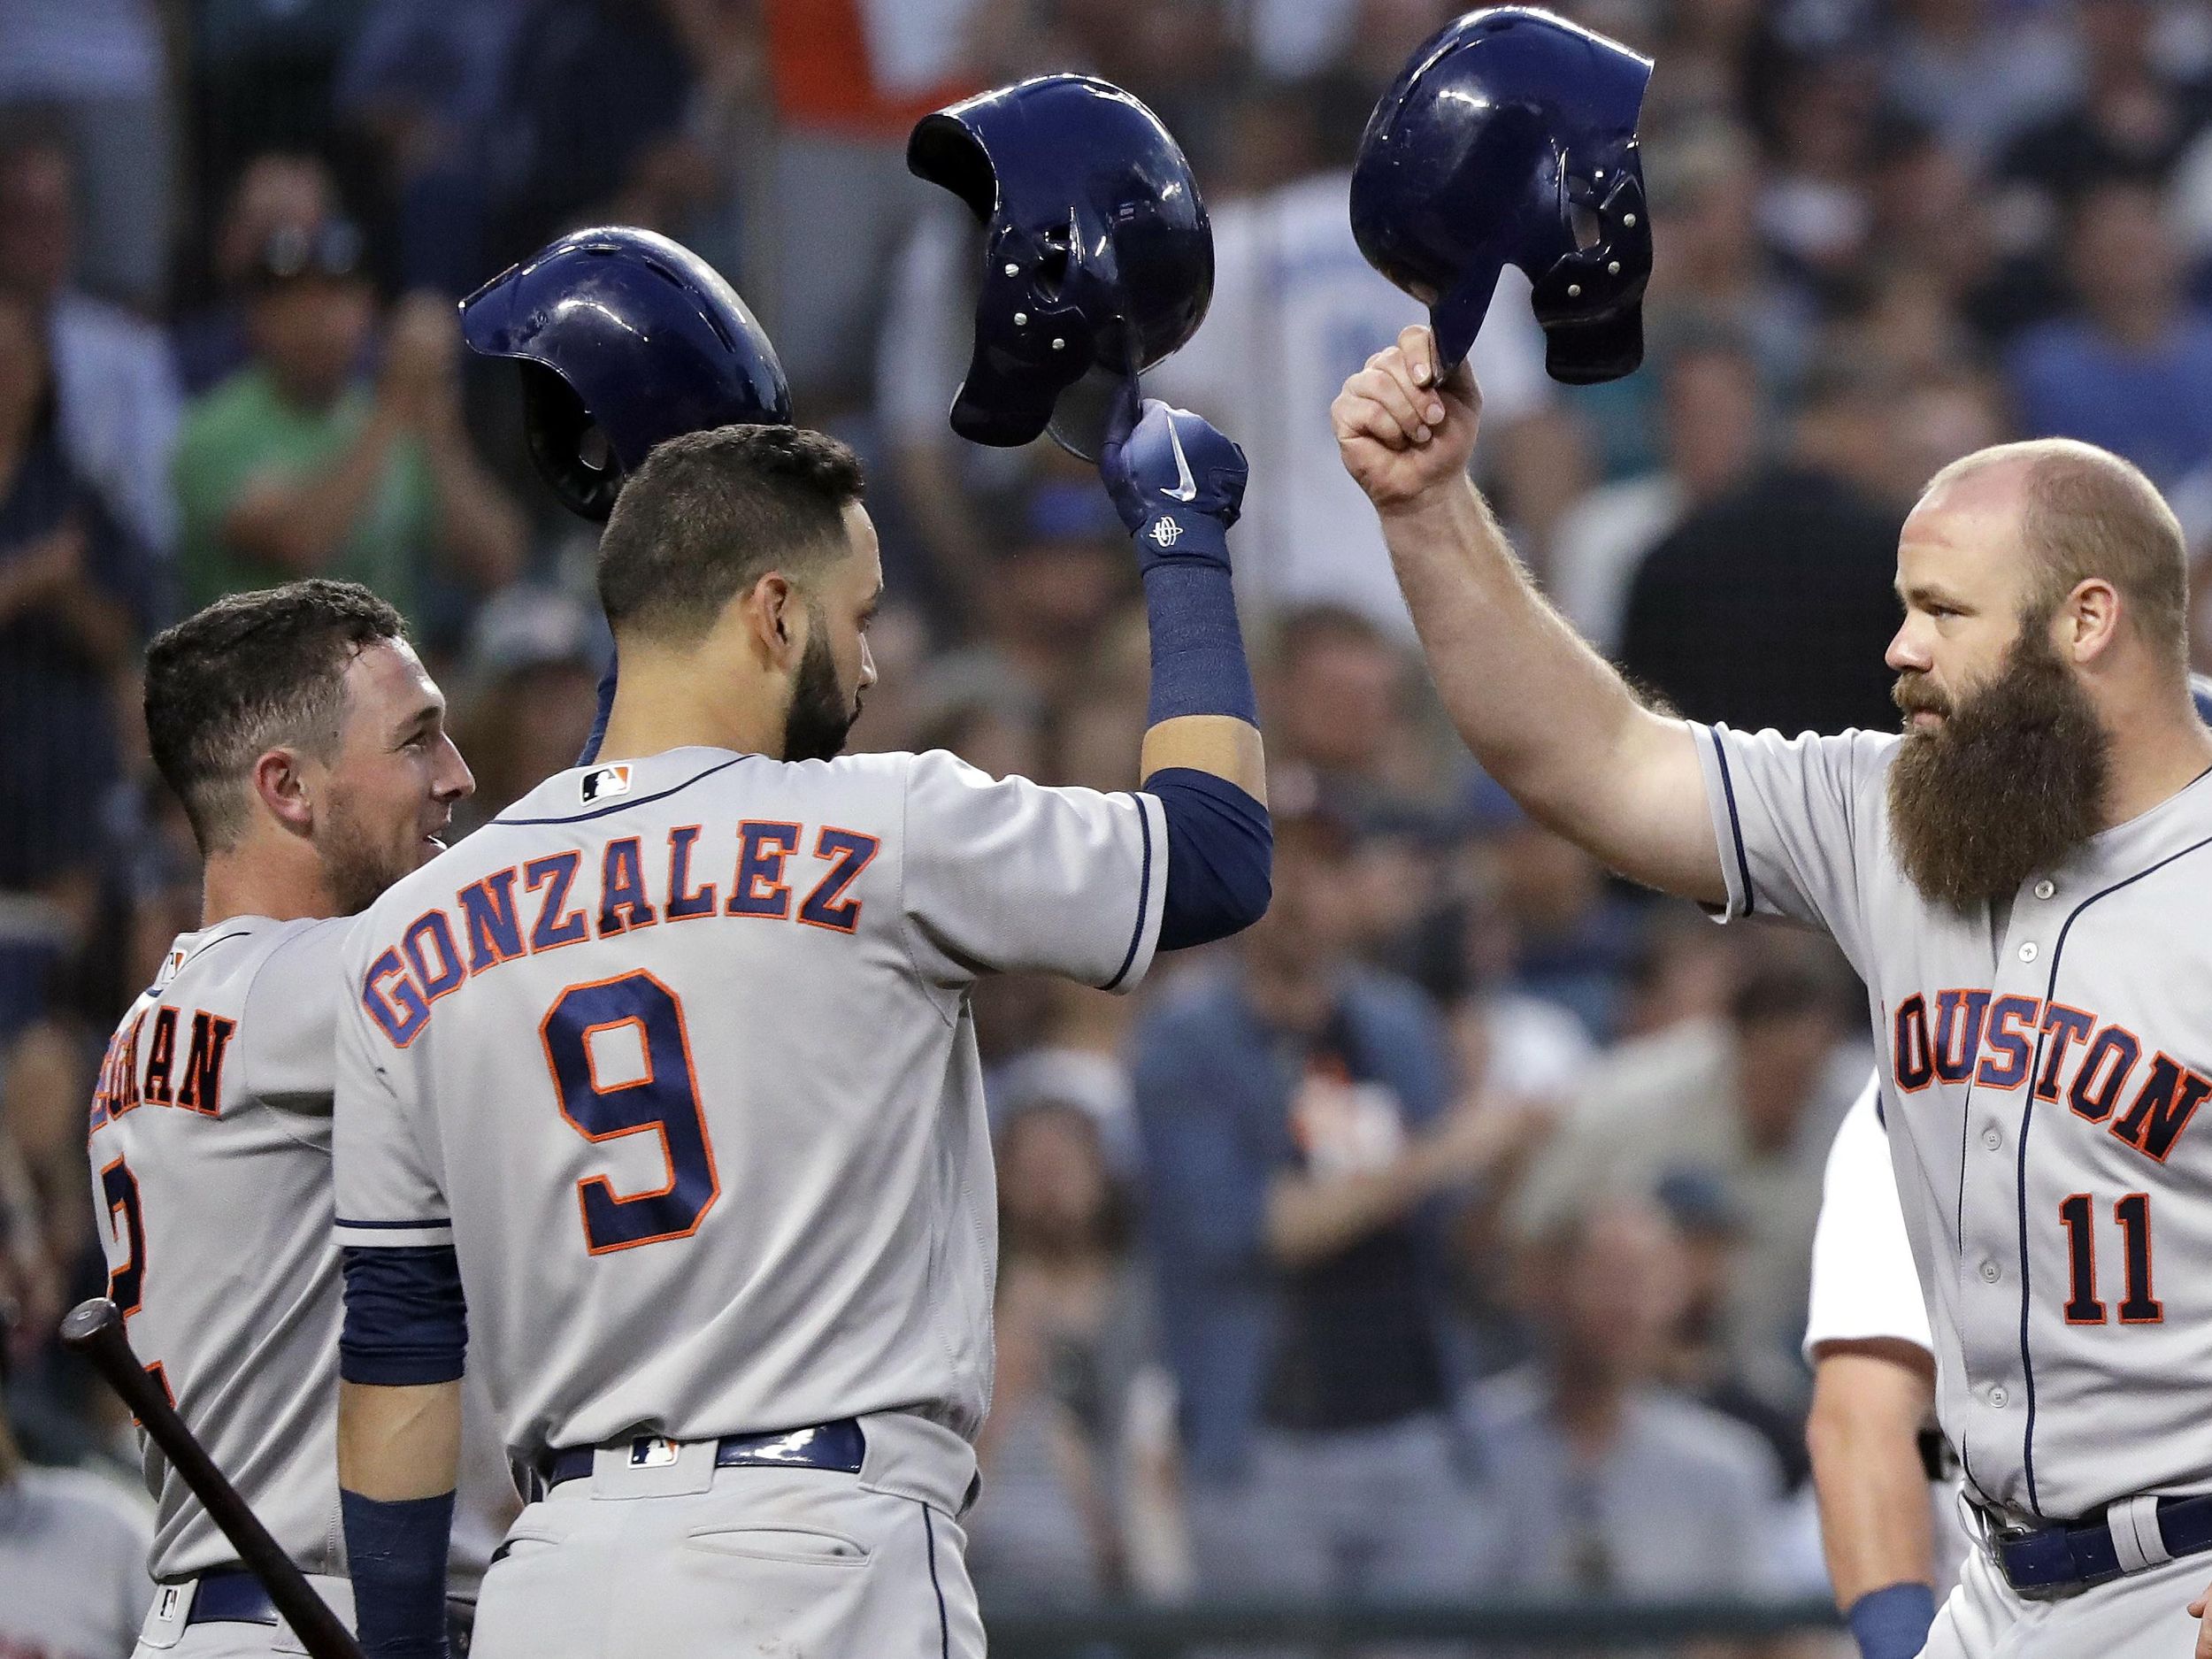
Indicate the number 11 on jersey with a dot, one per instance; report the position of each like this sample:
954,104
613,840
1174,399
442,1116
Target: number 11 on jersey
2133,1215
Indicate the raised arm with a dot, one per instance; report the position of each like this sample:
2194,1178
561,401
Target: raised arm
1178,485
1549,718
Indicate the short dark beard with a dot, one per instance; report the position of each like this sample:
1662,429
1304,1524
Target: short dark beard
355,869
815,724
2010,783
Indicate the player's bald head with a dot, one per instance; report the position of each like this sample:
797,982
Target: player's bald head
709,514
2083,513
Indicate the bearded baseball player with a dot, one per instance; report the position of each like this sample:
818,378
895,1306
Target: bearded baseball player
659,1099
2014,878
309,748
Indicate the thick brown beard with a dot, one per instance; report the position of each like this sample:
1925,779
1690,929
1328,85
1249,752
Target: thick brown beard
2011,783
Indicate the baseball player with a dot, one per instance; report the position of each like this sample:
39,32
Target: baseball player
667,1077
1871,1433
2015,877
308,749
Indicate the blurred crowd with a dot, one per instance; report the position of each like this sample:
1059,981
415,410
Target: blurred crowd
1447,1233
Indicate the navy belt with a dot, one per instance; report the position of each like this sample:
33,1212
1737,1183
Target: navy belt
2056,1560
838,1446
231,1596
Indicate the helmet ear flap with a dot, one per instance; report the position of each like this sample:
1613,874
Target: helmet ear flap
566,446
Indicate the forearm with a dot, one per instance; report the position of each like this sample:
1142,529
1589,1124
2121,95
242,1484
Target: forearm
1875,1525
398,1461
1310,1219
401,1352
1538,706
399,1443
1548,716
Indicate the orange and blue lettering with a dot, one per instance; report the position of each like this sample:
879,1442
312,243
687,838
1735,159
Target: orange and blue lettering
392,1000
760,888
487,910
851,852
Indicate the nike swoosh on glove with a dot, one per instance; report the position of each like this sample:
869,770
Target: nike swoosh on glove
1177,483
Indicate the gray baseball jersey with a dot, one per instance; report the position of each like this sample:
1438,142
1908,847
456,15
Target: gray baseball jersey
2042,1063
211,1153
73,1567
678,1054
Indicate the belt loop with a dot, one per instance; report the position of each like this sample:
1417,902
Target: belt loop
2137,1538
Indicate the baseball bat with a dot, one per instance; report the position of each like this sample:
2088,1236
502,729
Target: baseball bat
94,1329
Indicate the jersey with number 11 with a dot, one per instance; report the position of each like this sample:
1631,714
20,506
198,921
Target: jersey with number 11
677,1054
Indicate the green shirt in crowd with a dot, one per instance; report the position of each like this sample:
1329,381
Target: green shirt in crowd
243,433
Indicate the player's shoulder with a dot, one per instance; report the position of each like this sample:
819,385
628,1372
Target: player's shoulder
219,965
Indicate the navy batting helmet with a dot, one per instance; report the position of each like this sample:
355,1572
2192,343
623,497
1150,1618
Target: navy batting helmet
1097,258
1511,138
625,339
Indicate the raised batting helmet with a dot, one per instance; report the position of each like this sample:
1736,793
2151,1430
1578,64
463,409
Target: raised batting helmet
1511,138
1097,257
625,339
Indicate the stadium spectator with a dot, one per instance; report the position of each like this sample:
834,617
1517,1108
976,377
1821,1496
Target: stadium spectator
1798,558
1711,428
1569,937
1611,1484
1301,1149
297,466
849,79
115,389
1976,72
1065,570
1295,309
97,69
2130,115
1750,1101
534,668
2132,371
279,190
72,1557
1078,1454
422,82
77,595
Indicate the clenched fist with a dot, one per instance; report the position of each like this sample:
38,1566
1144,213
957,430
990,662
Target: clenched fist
1401,432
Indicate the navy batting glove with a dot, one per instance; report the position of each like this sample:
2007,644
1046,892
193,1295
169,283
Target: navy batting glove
1177,483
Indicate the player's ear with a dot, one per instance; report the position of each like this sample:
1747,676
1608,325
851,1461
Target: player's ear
2089,621
280,785
779,616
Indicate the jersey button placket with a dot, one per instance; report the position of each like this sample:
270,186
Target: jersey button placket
1998,1397
2028,951
2045,887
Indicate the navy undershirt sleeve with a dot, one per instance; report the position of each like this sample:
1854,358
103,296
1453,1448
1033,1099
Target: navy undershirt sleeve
1220,860
406,1320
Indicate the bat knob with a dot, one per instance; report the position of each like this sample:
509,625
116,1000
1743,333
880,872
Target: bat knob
88,1321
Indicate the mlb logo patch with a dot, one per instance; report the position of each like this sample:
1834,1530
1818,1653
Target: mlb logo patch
169,967
602,782
651,1451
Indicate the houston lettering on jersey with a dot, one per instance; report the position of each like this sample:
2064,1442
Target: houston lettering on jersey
540,904
1995,1042
195,1083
